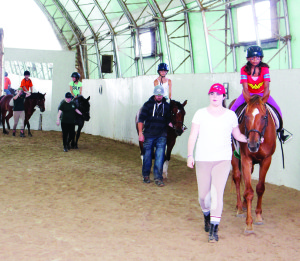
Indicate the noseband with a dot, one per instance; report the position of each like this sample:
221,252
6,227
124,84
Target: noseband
262,133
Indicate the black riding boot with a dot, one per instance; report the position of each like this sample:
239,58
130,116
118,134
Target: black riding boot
213,233
284,138
206,223
14,133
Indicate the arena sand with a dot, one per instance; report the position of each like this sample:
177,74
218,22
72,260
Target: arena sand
90,204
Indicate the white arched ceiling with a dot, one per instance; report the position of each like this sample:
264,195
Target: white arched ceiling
94,28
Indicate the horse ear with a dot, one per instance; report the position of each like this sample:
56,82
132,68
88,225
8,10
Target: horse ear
247,96
265,98
45,94
88,98
184,103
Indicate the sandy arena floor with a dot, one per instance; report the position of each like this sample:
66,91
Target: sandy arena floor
90,204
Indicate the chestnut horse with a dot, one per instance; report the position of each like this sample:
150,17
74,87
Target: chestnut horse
177,119
257,123
35,99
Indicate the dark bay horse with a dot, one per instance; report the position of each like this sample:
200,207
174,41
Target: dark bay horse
177,119
83,106
35,99
257,123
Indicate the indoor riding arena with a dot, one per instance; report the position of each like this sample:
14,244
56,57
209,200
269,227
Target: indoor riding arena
91,203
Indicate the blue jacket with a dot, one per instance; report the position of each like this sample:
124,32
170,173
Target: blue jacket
155,118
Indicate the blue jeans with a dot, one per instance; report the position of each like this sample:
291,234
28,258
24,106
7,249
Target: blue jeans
7,91
160,145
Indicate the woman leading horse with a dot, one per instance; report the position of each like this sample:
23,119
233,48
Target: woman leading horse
35,99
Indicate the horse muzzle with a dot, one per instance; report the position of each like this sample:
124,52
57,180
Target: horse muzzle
253,146
178,132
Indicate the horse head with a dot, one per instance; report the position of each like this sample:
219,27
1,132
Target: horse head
37,99
84,107
256,121
177,116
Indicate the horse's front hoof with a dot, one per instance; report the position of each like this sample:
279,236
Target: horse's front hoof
76,147
248,231
241,215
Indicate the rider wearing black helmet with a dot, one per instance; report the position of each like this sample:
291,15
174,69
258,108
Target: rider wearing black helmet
162,71
75,84
26,83
255,78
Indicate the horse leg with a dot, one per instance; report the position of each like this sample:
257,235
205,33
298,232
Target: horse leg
7,117
236,176
170,145
28,127
260,188
3,121
77,136
248,194
141,144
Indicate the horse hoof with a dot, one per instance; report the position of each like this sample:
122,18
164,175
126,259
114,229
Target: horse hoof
29,135
259,223
248,231
240,215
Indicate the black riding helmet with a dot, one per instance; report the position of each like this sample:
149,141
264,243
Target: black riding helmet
162,67
255,50
26,73
75,75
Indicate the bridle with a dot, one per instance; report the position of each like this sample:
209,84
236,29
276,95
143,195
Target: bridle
175,122
262,133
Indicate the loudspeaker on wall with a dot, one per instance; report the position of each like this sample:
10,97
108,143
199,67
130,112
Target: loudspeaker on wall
107,64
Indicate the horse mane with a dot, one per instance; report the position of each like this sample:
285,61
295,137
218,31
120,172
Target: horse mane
36,95
179,105
255,99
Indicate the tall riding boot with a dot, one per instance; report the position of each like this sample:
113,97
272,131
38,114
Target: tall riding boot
206,223
213,233
284,138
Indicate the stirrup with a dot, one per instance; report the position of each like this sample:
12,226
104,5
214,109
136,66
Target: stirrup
285,138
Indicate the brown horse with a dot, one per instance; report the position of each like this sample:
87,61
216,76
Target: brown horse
257,123
35,99
177,119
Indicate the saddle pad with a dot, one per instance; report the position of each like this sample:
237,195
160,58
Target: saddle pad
276,116
11,102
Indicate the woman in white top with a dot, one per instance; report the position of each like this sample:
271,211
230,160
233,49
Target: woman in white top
162,71
212,128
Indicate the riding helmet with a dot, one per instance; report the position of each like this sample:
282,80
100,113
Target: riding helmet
26,73
162,67
68,95
75,75
255,50
5,74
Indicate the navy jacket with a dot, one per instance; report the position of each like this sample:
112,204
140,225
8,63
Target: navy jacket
155,118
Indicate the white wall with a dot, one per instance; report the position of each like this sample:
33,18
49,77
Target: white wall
113,111
63,66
